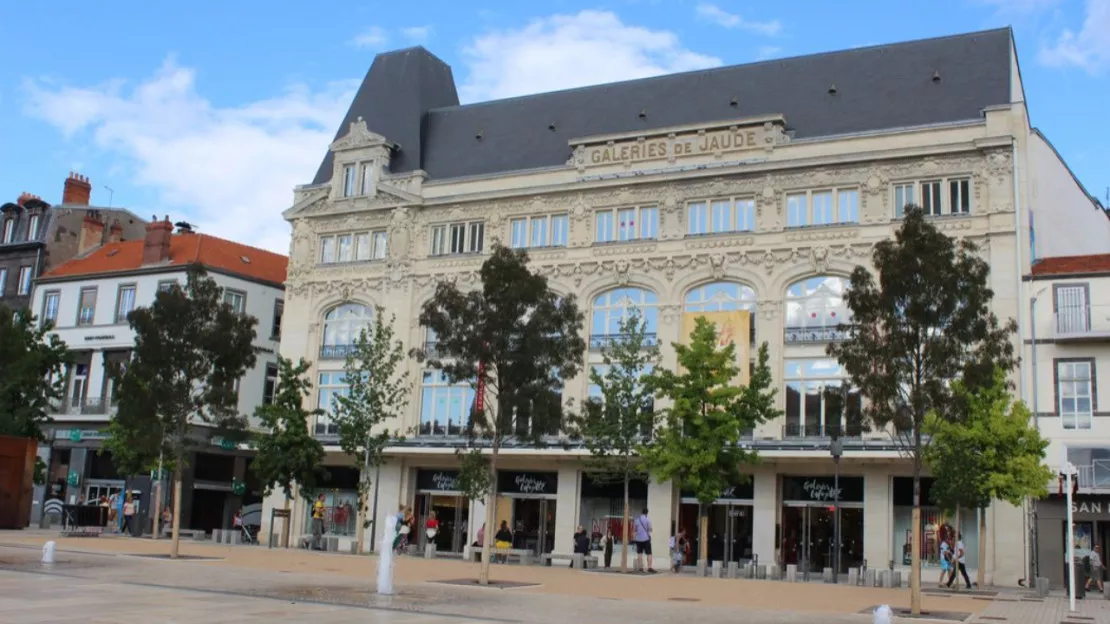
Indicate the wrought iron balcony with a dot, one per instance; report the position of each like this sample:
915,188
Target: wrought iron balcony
336,352
809,335
1082,323
816,430
601,341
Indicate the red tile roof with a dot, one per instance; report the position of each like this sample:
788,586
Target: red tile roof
1067,265
214,253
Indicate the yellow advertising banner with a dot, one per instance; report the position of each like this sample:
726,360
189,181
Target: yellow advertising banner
734,327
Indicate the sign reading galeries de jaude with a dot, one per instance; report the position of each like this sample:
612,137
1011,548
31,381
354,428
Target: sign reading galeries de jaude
669,145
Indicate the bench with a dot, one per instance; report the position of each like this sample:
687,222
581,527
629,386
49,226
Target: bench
521,554
194,534
578,560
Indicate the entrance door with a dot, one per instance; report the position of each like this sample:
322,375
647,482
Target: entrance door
534,524
451,512
807,537
730,533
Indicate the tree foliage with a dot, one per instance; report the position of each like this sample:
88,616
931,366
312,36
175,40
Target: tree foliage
377,393
287,453
615,426
697,442
179,387
32,363
514,340
925,322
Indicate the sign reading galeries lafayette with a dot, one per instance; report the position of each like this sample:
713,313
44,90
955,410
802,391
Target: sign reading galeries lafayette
528,483
671,144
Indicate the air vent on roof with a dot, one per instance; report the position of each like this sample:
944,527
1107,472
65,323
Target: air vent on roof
643,113
478,136
113,252
733,102
245,259
936,76
832,89
551,127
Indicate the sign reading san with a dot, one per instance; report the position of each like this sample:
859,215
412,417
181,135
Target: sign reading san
665,146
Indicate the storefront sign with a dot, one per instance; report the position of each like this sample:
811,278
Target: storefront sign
741,491
80,435
822,489
101,337
532,483
437,480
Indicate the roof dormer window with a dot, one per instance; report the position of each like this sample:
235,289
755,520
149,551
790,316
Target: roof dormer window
367,179
349,180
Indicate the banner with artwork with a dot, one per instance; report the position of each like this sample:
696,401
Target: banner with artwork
734,327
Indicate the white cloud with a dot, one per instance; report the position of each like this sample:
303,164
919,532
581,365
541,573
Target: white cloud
231,171
1089,48
717,15
566,51
417,34
373,37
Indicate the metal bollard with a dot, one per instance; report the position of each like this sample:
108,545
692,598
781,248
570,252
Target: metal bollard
761,571
827,575
733,570
717,571
853,576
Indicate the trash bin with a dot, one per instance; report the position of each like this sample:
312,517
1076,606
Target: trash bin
1078,569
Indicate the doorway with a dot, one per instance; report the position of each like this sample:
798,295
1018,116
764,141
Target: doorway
534,524
808,537
730,533
451,511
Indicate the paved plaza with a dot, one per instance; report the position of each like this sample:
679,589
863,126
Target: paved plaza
118,579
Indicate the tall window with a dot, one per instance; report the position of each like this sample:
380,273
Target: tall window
1075,392
236,299
349,180
9,230
125,302
612,307
723,297
367,179
327,249
352,247
3,281
626,224
269,384
24,280
720,215
444,407
825,207
50,306
815,307
86,308
33,227
457,238
275,325
332,385
342,326
539,231
817,402
945,196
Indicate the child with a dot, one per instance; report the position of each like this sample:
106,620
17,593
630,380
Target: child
678,550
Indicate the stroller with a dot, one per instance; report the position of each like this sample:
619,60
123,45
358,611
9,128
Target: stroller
248,536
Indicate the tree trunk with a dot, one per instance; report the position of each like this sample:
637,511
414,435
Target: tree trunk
955,552
157,508
285,524
176,538
703,533
981,573
625,520
915,543
491,517
360,532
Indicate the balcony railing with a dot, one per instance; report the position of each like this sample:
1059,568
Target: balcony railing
816,430
1079,323
84,406
808,335
336,352
1095,475
601,341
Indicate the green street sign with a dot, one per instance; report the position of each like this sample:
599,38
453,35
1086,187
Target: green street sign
73,479
227,444
75,436
238,488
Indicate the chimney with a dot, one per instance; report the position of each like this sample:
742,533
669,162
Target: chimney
92,232
115,232
156,247
77,190
25,196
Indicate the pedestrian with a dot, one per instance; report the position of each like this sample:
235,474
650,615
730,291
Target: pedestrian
642,537
679,546
128,515
960,563
504,541
581,544
945,561
608,547
318,523
1096,569
431,527
404,527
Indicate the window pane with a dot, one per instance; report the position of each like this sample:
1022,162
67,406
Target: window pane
745,215
439,243
697,218
345,248
126,303
458,236
822,208
903,196
930,197
796,210
362,246
722,216
559,231
348,181
367,178
848,208
518,233
381,245
477,234
604,226
649,223
626,224
327,249
959,196
539,232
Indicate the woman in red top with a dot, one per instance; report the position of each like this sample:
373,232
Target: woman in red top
431,527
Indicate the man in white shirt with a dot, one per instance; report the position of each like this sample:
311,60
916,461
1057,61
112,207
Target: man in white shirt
641,535
960,563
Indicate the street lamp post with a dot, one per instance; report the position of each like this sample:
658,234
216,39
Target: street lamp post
836,449
1069,471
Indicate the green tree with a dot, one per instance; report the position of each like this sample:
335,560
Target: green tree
287,453
615,426
377,393
924,323
179,387
32,361
993,453
697,443
514,340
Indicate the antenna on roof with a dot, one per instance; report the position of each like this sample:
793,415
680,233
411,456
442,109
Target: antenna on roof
111,194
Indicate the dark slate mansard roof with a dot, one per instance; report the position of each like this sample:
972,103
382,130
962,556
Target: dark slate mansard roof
409,97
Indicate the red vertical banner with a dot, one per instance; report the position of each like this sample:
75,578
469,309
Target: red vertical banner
480,396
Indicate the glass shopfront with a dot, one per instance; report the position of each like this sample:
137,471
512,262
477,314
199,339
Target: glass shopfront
730,524
809,522
602,507
340,502
526,500
437,491
936,526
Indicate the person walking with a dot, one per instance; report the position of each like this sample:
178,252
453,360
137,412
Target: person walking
318,522
581,544
679,547
960,563
128,515
642,536
608,547
1096,569
945,561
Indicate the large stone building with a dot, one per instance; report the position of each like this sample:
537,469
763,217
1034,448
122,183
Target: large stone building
751,188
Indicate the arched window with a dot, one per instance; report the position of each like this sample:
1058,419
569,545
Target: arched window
815,308
342,326
614,306
722,297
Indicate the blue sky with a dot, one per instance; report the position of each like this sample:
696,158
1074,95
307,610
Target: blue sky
212,112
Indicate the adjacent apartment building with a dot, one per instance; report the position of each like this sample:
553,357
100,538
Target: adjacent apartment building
88,299
36,236
750,190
